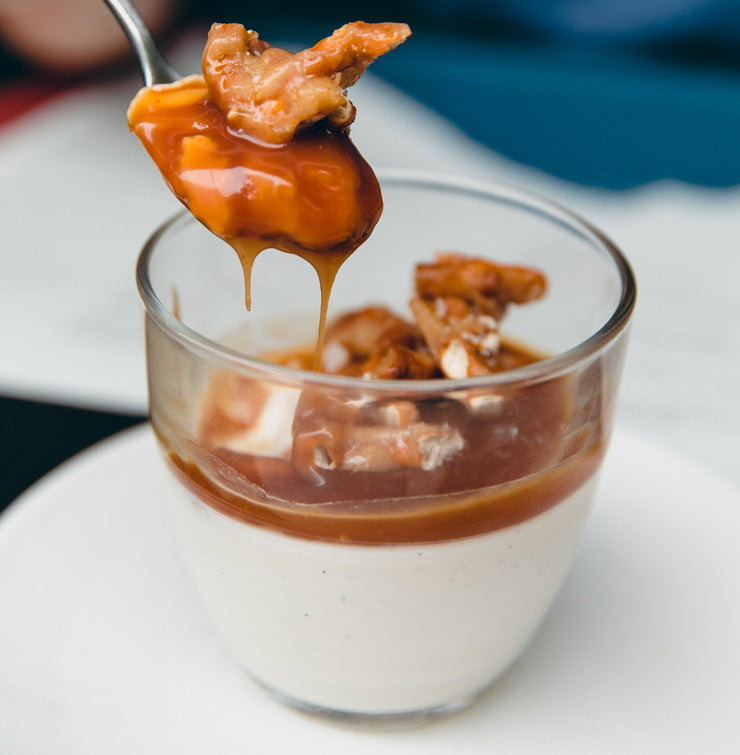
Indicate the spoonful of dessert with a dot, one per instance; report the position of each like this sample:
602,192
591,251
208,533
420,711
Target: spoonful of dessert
154,68
257,146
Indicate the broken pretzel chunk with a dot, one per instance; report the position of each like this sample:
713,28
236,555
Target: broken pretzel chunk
464,342
487,285
457,308
332,434
458,305
269,93
455,332
401,363
377,449
376,343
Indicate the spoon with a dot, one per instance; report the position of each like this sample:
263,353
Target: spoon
154,68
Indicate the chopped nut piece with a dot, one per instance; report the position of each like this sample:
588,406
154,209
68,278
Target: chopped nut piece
321,458
464,343
459,304
363,332
455,360
371,437
269,93
488,285
376,343
399,363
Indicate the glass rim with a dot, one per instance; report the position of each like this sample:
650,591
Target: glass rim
549,367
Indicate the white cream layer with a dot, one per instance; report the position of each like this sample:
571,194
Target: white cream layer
379,629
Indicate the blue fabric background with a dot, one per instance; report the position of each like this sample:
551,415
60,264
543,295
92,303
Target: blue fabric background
650,90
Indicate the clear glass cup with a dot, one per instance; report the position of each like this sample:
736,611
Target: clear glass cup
382,588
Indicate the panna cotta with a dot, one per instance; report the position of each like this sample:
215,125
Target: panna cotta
378,629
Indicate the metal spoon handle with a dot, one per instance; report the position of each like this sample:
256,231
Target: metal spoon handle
154,68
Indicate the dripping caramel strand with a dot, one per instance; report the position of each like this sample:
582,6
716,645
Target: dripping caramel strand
258,148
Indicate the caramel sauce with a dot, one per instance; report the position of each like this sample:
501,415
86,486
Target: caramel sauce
517,462
394,520
419,516
314,196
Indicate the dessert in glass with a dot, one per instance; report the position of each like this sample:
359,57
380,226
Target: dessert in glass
379,518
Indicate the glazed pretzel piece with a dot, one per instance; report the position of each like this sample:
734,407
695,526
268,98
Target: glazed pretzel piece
464,342
269,93
352,433
333,433
459,304
376,343
489,286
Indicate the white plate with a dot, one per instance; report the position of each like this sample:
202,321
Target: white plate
103,648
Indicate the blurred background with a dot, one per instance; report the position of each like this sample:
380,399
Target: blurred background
609,93
628,110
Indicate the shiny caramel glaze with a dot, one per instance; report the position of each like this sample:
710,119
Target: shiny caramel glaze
525,451
314,196
421,516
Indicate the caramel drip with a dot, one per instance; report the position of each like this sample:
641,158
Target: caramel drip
314,196
326,268
247,251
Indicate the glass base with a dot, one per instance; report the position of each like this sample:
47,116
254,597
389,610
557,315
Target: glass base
391,721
